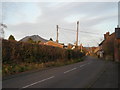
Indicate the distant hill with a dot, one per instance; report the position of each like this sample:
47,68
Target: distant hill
34,38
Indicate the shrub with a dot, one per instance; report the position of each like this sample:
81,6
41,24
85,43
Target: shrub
17,52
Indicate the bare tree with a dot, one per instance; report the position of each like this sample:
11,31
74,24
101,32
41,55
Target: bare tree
2,26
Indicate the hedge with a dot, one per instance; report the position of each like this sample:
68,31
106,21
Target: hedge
17,52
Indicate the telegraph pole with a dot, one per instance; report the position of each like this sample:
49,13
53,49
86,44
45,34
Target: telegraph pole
77,33
57,33
119,13
81,47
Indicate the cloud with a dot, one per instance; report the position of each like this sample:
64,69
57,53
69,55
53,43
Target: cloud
93,17
16,13
0,12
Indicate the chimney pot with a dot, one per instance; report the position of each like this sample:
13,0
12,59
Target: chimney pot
106,35
117,26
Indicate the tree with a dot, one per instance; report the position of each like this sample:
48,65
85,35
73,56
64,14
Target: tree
38,41
11,37
51,39
30,40
2,26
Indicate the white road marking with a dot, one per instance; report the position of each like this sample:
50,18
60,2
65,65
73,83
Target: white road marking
85,64
53,76
89,62
82,65
70,70
38,82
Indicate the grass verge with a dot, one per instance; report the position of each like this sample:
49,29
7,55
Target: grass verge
10,69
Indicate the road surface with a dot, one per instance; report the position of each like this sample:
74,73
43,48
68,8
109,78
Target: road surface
90,73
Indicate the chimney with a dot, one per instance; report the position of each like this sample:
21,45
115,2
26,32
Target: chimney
117,26
117,32
106,35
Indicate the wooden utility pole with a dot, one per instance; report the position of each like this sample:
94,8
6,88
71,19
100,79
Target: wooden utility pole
119,13
77,33
57,33
81,47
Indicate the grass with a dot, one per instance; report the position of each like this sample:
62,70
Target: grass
10,69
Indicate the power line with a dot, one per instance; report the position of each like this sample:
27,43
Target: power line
66,36
90,32
82,32
66,29
74,30
91,35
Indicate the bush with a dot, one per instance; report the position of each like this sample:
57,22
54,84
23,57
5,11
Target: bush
19,56
17,52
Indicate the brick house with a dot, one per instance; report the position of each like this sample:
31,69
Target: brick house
117,44
111,45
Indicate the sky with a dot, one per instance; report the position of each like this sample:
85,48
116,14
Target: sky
40,18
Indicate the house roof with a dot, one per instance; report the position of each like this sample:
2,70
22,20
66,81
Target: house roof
106,39
101,43
52,43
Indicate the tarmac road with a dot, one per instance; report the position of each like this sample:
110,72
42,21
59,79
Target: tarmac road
90,73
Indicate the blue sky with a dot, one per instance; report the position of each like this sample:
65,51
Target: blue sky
40,18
